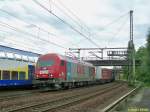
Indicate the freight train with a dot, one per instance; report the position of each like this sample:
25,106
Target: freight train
52,71
58,71
16,73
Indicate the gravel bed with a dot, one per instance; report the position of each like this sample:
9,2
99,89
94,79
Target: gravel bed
97,103
44,96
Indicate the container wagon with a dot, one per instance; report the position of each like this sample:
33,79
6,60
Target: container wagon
104,75
107,75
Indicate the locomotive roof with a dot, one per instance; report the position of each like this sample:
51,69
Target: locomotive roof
70,59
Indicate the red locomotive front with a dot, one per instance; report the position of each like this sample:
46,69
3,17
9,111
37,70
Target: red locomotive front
50,66
58,71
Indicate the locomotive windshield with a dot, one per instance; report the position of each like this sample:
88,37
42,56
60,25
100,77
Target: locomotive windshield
43,63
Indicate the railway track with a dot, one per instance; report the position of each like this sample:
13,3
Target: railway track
50,105
25,93
17,94
115,104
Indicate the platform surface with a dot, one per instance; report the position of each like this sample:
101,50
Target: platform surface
142,101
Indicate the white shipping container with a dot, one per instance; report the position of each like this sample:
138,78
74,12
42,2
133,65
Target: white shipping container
98,72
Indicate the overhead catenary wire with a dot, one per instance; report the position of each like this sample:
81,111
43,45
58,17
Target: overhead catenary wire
71,18
72,13
63,21
2,10
22,45
105,26
79,22
115,20
26,33
49,33
4,31
119,29
90,39
25,45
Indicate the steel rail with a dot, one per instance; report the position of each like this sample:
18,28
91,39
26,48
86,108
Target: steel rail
11,96
64,101
79,99
113,105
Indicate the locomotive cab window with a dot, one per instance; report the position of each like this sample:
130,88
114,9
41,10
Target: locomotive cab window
62,63
44,63
14,75
22,75
6,75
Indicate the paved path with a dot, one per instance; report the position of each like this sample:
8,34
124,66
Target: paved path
141,101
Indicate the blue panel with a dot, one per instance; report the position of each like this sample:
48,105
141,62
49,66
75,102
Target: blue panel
4,83
69,77
31,70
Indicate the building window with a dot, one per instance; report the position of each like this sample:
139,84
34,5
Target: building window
22,75
14,75
62,63
6,75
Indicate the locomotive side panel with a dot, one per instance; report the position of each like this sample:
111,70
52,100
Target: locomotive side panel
77,72
69,71
62,70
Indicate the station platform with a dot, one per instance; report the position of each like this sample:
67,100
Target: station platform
141,102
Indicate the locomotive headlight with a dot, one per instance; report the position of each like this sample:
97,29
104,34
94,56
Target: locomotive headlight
51,75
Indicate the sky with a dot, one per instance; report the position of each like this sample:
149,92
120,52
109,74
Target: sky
27,26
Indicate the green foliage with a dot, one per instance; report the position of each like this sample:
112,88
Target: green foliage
148,51
125,72
143,54
142,71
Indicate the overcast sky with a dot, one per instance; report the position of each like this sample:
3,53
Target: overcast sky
25,25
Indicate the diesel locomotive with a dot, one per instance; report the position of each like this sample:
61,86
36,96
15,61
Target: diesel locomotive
58,71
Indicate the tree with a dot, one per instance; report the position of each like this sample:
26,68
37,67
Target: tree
142,71
148,50
148,57
143,54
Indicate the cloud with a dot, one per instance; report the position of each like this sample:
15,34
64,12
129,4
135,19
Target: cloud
96,14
